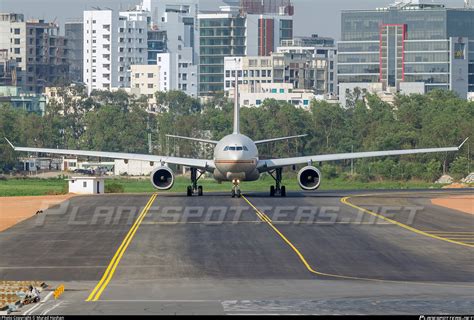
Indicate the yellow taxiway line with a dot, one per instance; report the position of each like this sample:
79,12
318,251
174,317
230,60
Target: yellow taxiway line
267,220
109,272
404,226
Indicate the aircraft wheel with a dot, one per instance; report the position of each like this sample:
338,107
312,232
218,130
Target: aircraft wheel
200,191
272,191
190,191
283,191
233,193
239,193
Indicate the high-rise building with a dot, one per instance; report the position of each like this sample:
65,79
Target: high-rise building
302,69
175,44
233,32
36,49
74,32
409,41
113,42
157,40
324,53
263,6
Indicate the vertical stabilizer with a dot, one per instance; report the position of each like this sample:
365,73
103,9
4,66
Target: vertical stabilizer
236,106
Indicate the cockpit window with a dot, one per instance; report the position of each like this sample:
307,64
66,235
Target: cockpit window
237,148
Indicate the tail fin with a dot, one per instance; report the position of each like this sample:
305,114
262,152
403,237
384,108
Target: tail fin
236,106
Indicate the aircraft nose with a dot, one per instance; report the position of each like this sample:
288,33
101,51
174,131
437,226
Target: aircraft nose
236,156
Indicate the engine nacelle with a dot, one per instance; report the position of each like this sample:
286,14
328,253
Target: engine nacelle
162,178
309,178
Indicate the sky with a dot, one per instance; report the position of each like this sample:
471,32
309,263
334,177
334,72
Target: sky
311,16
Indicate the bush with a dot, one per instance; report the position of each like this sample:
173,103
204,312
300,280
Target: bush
459,168
329,171
114,188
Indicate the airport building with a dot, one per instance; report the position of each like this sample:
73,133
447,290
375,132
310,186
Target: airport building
410,41
113,42
233,32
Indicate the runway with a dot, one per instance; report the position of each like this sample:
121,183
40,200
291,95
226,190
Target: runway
309,253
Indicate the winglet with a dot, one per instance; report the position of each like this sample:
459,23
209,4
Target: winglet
462,144
10,143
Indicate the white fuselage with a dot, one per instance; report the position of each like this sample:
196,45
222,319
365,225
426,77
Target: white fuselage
236,158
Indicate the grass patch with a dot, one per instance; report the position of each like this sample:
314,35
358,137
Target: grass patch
38,187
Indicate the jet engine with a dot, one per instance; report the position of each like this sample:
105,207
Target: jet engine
309,178
162,178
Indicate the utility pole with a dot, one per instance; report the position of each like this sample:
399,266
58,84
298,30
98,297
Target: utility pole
468,158
148,126
352,162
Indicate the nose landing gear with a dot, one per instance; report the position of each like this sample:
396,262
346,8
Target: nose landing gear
236,189
194,188
278,189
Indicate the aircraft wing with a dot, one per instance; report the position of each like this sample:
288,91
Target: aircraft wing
207,165
267,165
279,139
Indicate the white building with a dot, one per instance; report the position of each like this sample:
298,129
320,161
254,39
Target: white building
179,64
112,43
146,80
254,96
250,70
177,74
134,168
86,185
352,92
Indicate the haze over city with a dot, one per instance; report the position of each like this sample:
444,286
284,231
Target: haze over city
311,16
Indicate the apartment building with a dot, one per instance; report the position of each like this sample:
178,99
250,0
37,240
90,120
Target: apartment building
113,42
33,54
304,71
324,53
175,22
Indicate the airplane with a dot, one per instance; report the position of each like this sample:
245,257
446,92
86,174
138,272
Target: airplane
236,159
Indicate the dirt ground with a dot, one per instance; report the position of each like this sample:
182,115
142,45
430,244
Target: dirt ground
460,203
16,209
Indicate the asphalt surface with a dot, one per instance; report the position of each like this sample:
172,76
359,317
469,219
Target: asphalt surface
215,255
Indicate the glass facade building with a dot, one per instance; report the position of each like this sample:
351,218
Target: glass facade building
408,43
230,33
156,40
220,36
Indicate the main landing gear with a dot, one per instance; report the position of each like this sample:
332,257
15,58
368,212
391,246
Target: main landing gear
277,189
236,189
194,188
